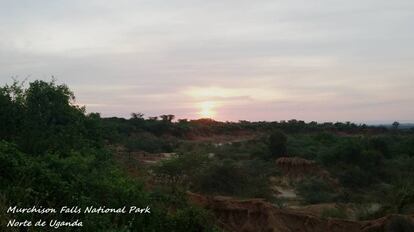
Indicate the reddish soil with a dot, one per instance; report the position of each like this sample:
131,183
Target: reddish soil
256,215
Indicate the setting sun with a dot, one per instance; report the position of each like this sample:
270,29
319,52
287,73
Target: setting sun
207,109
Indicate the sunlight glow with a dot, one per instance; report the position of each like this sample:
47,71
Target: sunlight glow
207,109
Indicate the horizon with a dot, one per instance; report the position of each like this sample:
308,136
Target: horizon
329,61
176,119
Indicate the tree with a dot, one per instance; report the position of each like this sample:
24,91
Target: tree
11,110
277,144
167,118
395,125
380,144
55,122
44,117
315,190
50,155
137,116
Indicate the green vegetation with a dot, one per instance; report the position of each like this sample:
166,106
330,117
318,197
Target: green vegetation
314,190
216,177
337,212
52,153
277,144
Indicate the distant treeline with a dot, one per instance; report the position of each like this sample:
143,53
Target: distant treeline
186,128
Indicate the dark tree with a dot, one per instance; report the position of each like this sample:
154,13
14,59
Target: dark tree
139,116
167,118
395,125
278,144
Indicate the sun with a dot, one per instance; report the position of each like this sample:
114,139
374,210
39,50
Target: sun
207,109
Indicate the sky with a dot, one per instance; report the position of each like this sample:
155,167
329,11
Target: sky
321,60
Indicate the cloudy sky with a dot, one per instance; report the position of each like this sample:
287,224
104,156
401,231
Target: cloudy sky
323,60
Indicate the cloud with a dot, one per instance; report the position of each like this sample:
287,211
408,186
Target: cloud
329,59
231,94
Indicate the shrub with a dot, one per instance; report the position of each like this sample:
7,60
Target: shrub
325,137
314,190
380,144
337,212
277,144
147,142
399,224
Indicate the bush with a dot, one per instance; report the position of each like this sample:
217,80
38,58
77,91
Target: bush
347,151
180,171
380,144
53,156
314,190
277,144
354,177
325,137
147,142
337,212
399,224
224,178
86,179
227,177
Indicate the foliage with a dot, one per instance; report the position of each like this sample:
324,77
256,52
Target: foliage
223,177
52,154
314,190
43,118
277,144
336,212
399,224
149,143
180,171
